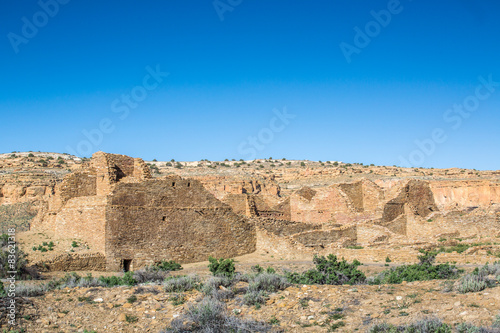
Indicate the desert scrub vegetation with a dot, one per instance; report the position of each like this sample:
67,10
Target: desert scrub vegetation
329,271
423,271
222,266
219,287
181,283
74,280
481,278
429,325
170,265
211,315
261,284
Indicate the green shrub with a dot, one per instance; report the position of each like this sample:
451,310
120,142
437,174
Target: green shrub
112,281
222,266
128,279
74,244
459,248
387,259
329,271
423,271
416,272
168,266
270,270
257,269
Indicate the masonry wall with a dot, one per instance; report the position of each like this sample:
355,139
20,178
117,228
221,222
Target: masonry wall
83,218
78,184
172,220
325,237
238,202
319,206
354,192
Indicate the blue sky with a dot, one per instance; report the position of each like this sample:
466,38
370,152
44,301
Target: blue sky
65,82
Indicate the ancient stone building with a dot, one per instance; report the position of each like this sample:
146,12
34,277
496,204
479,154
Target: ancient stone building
114,205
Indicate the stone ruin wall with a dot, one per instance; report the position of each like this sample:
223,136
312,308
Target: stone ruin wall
118,211
83,218
340,203
322,238
184,223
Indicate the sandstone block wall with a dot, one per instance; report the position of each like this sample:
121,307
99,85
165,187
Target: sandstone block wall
323,238
84,218
115,207
172,220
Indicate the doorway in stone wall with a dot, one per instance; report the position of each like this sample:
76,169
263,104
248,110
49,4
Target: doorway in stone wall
127,264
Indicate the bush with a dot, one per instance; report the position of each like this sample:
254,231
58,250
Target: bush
112,281
423,271
255,297
430,325
268,282
487,269
167,266
479,279
222,266
330,271
181,283
472,283
469,328
25,290
212,285
74,280
210,315
150,275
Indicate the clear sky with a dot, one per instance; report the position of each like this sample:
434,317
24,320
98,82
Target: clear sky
410,83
